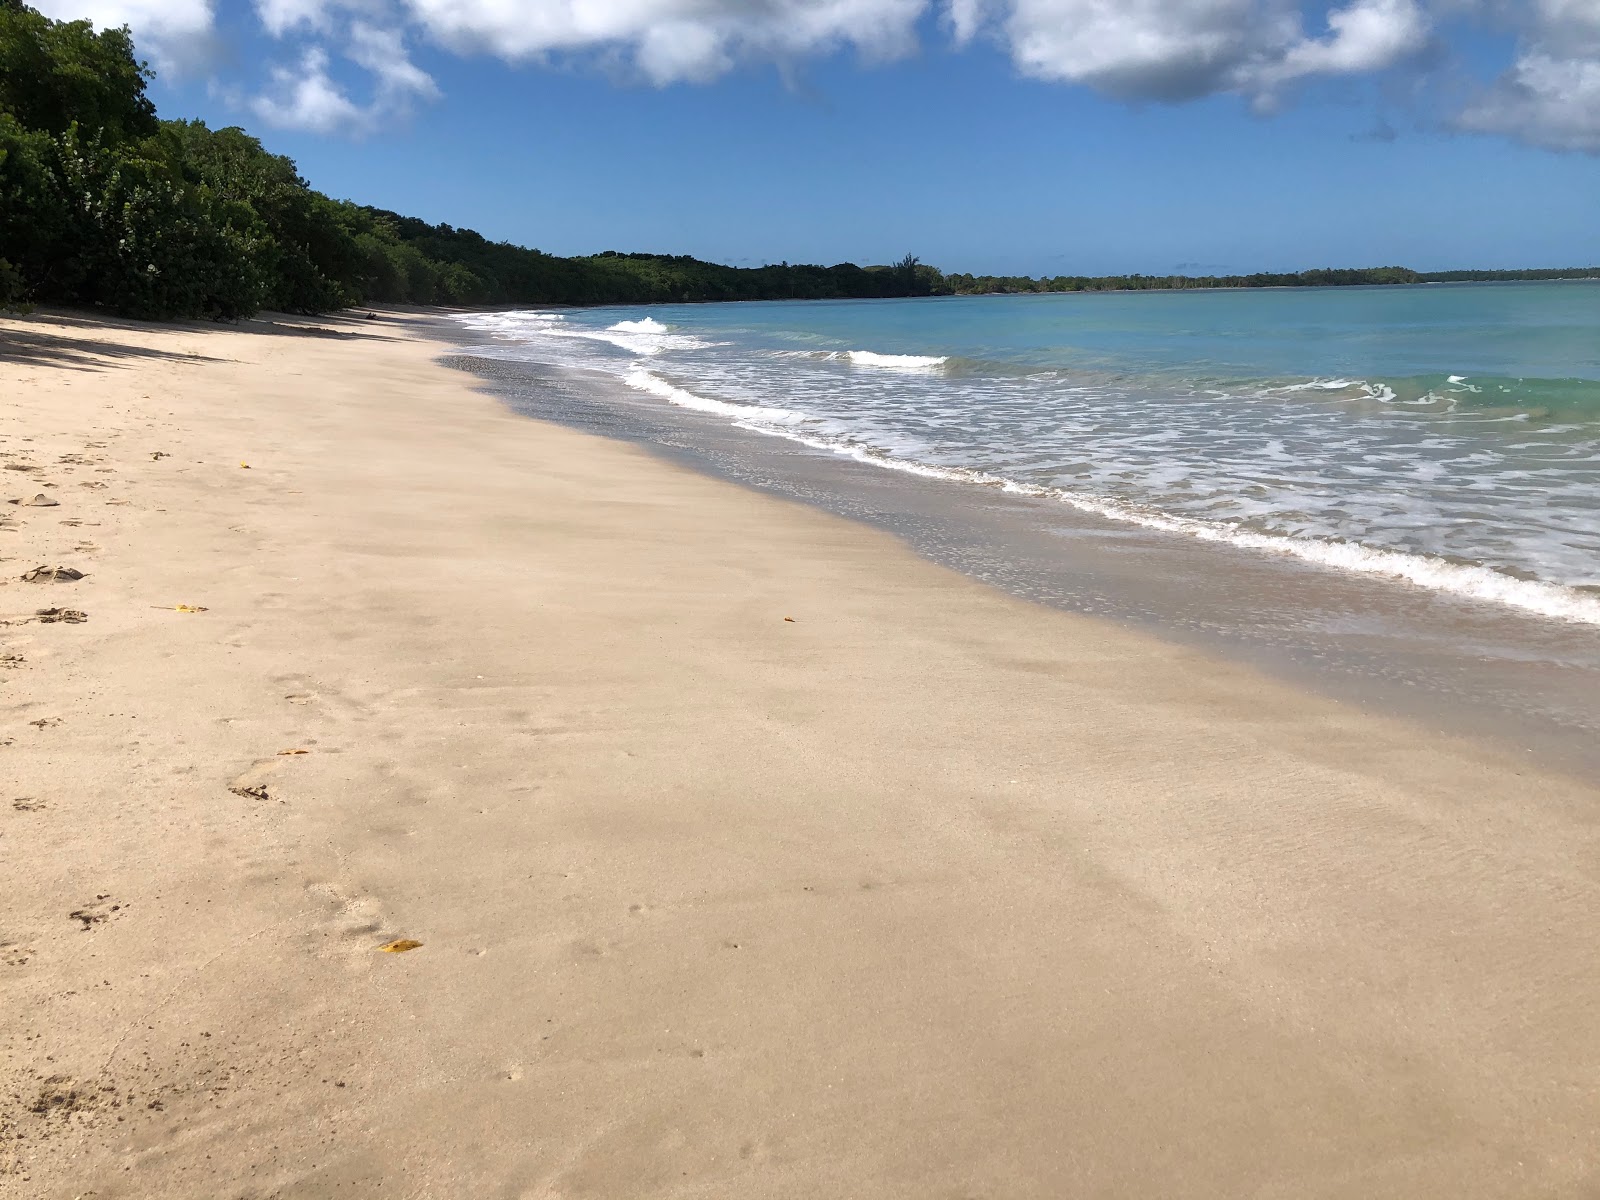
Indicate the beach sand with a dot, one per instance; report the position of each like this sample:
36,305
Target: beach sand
749,855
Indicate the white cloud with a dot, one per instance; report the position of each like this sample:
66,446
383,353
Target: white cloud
173,33
307,97
672,40
1550,96
1369,35
1134,50
1175,50
965,18
279,17
383,52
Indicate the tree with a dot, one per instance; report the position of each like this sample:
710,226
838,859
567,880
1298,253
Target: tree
54,74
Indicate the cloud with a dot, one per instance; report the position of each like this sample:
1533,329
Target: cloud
383,53
670,41
305,96
280,17
175,34
1175,50
1165,51
964,18
1550,96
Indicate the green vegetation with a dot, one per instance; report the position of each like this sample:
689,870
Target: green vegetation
103,204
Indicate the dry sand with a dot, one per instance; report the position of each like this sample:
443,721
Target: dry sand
926,893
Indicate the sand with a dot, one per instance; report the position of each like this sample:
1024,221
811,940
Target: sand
748,854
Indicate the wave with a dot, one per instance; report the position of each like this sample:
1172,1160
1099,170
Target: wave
1466,581
645,338
510,326
894,362
747,415
912,363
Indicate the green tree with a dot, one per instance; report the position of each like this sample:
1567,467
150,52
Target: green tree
54,74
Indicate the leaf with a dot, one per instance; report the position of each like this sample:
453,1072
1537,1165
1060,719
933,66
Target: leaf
245,465
790,620
190,608
283,752
399,946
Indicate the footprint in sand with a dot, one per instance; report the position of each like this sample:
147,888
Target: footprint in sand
354,923
28,804
52,575
69,616
98,912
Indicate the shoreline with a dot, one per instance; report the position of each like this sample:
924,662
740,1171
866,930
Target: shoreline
927,889
1480,669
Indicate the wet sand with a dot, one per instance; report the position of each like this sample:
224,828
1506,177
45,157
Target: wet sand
748,853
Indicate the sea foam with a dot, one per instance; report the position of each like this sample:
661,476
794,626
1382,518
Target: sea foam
749,415
894,362
1471,582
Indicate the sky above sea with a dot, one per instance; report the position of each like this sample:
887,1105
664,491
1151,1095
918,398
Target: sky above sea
991,136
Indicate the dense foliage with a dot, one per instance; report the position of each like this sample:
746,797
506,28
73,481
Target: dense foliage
103,204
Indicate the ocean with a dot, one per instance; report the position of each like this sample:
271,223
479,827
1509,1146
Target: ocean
1447,435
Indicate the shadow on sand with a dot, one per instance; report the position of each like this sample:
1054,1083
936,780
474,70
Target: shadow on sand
48,338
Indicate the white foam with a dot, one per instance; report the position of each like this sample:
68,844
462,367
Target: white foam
1322,385
749,415
910,363
646,337
894,362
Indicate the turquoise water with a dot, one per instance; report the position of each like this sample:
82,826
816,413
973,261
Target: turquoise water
1444,435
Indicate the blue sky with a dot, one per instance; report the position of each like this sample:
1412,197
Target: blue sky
1015,136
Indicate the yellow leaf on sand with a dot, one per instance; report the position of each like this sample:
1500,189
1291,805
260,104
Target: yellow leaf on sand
191,608
399,946
283,752
245,465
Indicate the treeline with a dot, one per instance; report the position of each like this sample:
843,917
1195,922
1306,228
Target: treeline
104,204
1508,276
1327,277
966,285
